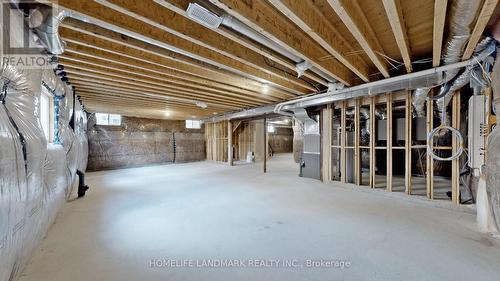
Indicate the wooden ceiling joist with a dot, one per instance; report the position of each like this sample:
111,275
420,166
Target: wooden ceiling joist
310,20
353,18
180,6
482,20
174,93
169,21
130,87
171,41
131,99
121,73
78,59
89,95
265,19
176,64
98,48
397,22
195,91
439,22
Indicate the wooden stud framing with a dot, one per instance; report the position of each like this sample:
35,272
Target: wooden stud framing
389,142
343,135
230,143
216,136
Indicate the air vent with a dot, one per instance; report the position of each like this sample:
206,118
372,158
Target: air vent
203,16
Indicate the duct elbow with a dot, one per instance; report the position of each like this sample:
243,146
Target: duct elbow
418,101
45,22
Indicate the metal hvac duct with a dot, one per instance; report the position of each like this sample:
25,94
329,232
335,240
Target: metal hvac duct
311,156
45,21
483,49
242,28
364,114
461,17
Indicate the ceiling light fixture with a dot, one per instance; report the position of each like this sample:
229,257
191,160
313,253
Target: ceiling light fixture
201,104
265,88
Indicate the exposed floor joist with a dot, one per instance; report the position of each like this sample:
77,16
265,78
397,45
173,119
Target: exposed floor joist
185,46
395,16
309,19
482,20
353,18
180,6
175,64
439,22
268,21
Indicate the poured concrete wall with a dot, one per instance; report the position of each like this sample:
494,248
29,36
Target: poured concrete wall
142,141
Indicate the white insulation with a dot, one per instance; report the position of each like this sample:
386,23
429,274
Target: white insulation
493,159
37,177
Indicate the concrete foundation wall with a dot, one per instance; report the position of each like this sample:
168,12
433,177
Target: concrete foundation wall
142,141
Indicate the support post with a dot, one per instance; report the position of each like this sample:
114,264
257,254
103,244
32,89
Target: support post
230,143
408,142
326,137
430,161
389,142
372,142
343,134
265,145
357,136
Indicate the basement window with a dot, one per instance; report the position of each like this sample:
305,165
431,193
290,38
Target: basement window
193,124
106,119
46,116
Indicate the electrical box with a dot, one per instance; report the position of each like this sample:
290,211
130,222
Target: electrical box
476,140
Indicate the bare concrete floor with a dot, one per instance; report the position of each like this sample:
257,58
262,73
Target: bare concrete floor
204,211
